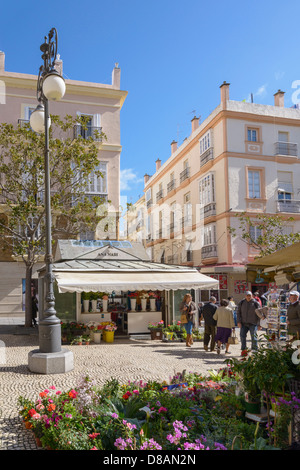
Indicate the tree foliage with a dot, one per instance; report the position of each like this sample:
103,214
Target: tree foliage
71,162
265,233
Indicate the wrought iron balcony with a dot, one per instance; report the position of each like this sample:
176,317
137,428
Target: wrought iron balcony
171,185
286,148
209,251
159,195
206,156
208,210
184,174
87,132
288,206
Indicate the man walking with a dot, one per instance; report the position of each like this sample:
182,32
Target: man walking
209,323
293,314
247,320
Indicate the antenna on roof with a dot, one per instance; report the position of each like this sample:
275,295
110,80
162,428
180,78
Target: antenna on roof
251,97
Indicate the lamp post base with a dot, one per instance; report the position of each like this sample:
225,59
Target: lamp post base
50,363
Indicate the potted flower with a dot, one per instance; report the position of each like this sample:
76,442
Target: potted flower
77,340
144,296
156,329
85,301
152,297
98,333
133,296
245,370
94,299
86,339
109,331
104,302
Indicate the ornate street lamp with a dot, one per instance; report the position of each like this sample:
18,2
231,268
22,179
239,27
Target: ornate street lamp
50,358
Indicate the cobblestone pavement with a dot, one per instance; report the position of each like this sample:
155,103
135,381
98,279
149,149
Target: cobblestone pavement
124,359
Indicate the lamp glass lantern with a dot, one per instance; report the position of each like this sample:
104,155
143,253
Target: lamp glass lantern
54,86
37,119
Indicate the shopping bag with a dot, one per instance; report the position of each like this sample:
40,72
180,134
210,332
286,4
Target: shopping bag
233,339
183,318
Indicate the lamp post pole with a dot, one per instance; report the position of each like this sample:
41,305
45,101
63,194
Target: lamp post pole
50,358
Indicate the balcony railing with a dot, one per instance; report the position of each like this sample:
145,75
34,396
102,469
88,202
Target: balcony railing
159,195
171,185
206,156
184,174
288,206
23,122
208,210
87,132
286,148
209,251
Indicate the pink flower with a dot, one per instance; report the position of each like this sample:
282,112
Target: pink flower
162,410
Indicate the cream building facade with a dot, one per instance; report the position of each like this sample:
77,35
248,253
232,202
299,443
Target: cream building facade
102,104
243,158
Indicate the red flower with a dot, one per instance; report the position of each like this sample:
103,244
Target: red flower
51,407
32,412
73,394
94,435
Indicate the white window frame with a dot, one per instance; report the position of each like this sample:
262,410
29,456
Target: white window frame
207,189
209,235
205,142
252,184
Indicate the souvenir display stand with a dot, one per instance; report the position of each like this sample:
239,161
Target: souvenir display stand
277,318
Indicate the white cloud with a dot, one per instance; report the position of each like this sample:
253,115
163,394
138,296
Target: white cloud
129,179
262,90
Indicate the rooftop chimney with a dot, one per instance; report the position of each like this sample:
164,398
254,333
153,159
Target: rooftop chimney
224,94
58,65
146,178
158,164
195,123
279,99
173,146
116,77
2,61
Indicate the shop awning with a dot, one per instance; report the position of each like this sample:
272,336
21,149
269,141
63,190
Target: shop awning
109,276
289,256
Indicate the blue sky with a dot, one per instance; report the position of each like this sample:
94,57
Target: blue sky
173,56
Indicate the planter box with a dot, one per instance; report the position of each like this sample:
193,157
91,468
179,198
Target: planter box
156,333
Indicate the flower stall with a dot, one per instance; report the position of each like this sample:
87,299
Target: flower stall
136,290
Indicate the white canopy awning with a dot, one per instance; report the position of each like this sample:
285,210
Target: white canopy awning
139,278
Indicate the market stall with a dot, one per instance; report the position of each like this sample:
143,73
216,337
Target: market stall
117,269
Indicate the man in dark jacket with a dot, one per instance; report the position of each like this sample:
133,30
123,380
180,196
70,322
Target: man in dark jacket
208,312
247,319
293,314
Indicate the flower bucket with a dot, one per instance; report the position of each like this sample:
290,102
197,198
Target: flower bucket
108,336
144,304
156,333
132,304
86,305
94,305
104,304
97,337
169,335
152,305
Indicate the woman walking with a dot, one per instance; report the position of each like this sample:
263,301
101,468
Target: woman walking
188,307
225,324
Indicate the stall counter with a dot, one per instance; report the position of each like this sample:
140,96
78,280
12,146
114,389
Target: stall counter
137,322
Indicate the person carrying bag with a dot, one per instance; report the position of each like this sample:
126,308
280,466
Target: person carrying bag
188,311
